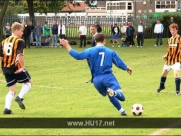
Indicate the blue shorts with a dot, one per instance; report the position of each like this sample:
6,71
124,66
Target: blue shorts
115,36
103,82
47,36
22,77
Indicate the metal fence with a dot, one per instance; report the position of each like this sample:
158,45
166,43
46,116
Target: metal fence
72,24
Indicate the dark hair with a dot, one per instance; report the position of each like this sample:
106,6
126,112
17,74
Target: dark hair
46,22
99,37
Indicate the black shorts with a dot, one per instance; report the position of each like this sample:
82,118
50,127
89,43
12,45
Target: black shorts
22,77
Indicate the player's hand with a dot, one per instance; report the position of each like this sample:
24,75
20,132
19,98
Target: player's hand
19,71
164,57
63,42
129,70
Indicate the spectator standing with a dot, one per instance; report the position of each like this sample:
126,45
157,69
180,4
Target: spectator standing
94,32
54,34
26,34
7,30
61,31
115,31
46,33
125,25
38,32
140,38
31,33
170,22
130,34
98,27
82,32
158,30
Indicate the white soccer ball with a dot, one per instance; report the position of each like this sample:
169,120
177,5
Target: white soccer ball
137,109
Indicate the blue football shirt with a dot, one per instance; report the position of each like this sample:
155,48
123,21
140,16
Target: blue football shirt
100,59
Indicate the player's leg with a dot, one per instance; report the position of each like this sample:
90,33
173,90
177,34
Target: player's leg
117,105
176,68
166,69
102,89
25,78
111,83
11,84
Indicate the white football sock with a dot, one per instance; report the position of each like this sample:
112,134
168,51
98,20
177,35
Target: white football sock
121,110
8,100
25,88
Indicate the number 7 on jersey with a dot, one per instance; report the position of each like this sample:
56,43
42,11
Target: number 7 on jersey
102,59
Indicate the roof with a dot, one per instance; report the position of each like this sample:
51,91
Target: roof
70,7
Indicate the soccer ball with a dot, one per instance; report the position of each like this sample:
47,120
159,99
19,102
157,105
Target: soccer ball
137,109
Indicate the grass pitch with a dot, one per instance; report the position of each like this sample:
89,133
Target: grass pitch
59,90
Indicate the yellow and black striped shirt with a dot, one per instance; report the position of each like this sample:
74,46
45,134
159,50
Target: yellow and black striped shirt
9,49
174,50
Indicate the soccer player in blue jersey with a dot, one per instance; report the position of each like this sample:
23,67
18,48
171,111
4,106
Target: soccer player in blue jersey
100,60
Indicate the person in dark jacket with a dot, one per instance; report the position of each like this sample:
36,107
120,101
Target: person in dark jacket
31,33
169,23
130,34
26,34
54,34
99,29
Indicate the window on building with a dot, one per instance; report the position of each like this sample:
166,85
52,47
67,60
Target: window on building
129,6
122,5
117,6
165,4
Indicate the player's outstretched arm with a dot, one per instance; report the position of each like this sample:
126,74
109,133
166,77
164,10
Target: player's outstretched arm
129,70
65,44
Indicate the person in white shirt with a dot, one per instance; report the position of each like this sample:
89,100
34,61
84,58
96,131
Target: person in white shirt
61,31
124,28
158,30
140,38
82,32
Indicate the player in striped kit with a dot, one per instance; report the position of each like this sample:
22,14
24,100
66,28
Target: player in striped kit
12,59
172,59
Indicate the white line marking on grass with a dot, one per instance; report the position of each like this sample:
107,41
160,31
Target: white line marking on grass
2,81
163,130
51,87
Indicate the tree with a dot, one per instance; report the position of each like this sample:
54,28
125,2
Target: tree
3,7
42,6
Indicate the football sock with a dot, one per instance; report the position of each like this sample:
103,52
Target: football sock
162,82
120,96
25,88
115,102
177,83
121,110
8,100
48,43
